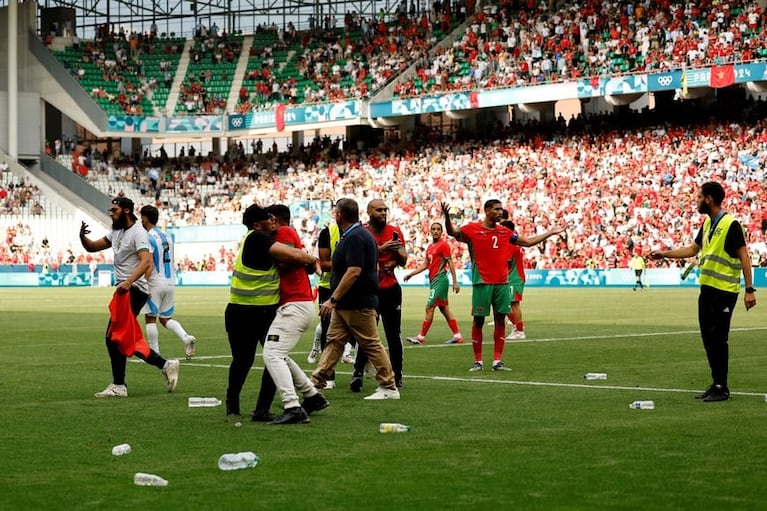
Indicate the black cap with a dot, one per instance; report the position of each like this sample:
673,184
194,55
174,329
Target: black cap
254,213
124,203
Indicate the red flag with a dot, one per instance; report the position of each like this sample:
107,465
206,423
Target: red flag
722,76
279,116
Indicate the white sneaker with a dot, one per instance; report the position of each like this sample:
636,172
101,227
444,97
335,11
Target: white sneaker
189,342
171,374
516,335
330,384
416,340
383,393
113,390
312,358
348,359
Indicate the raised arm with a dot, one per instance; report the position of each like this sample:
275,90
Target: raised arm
525,241
89,244
449,229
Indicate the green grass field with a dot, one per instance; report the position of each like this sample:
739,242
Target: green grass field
537,438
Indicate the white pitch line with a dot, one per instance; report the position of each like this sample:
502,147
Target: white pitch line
517,382
587,337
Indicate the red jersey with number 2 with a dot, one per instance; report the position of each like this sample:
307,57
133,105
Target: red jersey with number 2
489,252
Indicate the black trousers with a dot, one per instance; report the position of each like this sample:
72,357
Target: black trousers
390,314
715,310
246,328
119,361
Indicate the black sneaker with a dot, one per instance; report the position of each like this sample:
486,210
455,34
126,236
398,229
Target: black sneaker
356,384
315,403
705,393
295,415
719,393
263,416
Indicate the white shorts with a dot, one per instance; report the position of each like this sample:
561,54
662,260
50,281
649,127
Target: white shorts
162,299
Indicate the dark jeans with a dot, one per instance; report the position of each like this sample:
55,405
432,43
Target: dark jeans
246,327
119,361
715,310
390,314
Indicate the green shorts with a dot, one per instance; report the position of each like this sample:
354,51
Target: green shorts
438,291
517,289
485,296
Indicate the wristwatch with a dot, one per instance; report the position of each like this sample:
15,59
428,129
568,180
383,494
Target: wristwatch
333,300
750,290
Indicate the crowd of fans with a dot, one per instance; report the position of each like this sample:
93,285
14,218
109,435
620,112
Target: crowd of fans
536,42
506,43
621,181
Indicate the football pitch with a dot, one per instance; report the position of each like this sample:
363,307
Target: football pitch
537,438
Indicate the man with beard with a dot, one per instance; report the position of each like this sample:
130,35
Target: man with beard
132,261
391,253
724,255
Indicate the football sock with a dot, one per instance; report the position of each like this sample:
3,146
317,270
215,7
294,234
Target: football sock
453,324
499,340
153,336
425,328
476,342
175,327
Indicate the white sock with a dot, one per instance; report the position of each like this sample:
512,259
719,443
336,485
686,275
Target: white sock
153,336
175,327
317,337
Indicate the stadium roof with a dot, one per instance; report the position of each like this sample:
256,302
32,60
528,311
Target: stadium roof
182,16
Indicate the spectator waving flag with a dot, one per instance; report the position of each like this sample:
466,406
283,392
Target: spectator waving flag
722,76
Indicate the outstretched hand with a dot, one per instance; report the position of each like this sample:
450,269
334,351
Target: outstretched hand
84,229
445,207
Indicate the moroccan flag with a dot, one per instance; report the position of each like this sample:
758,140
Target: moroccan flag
279,116
722,76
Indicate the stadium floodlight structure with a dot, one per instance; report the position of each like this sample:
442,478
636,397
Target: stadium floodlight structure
181,17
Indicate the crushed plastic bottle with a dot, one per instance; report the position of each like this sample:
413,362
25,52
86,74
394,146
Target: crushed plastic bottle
393,427
119,450
237,461
143,479
595,376
643,405
203,402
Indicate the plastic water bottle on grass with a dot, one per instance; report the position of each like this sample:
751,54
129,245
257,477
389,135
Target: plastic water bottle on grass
203,402
119,450
142,479
237,461
595,376
393,427
643,405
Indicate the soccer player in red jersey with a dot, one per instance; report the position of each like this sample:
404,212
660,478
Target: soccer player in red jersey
516,285
488,244
438,260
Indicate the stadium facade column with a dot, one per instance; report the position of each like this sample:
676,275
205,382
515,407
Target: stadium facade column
297,138
13,78
216,146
